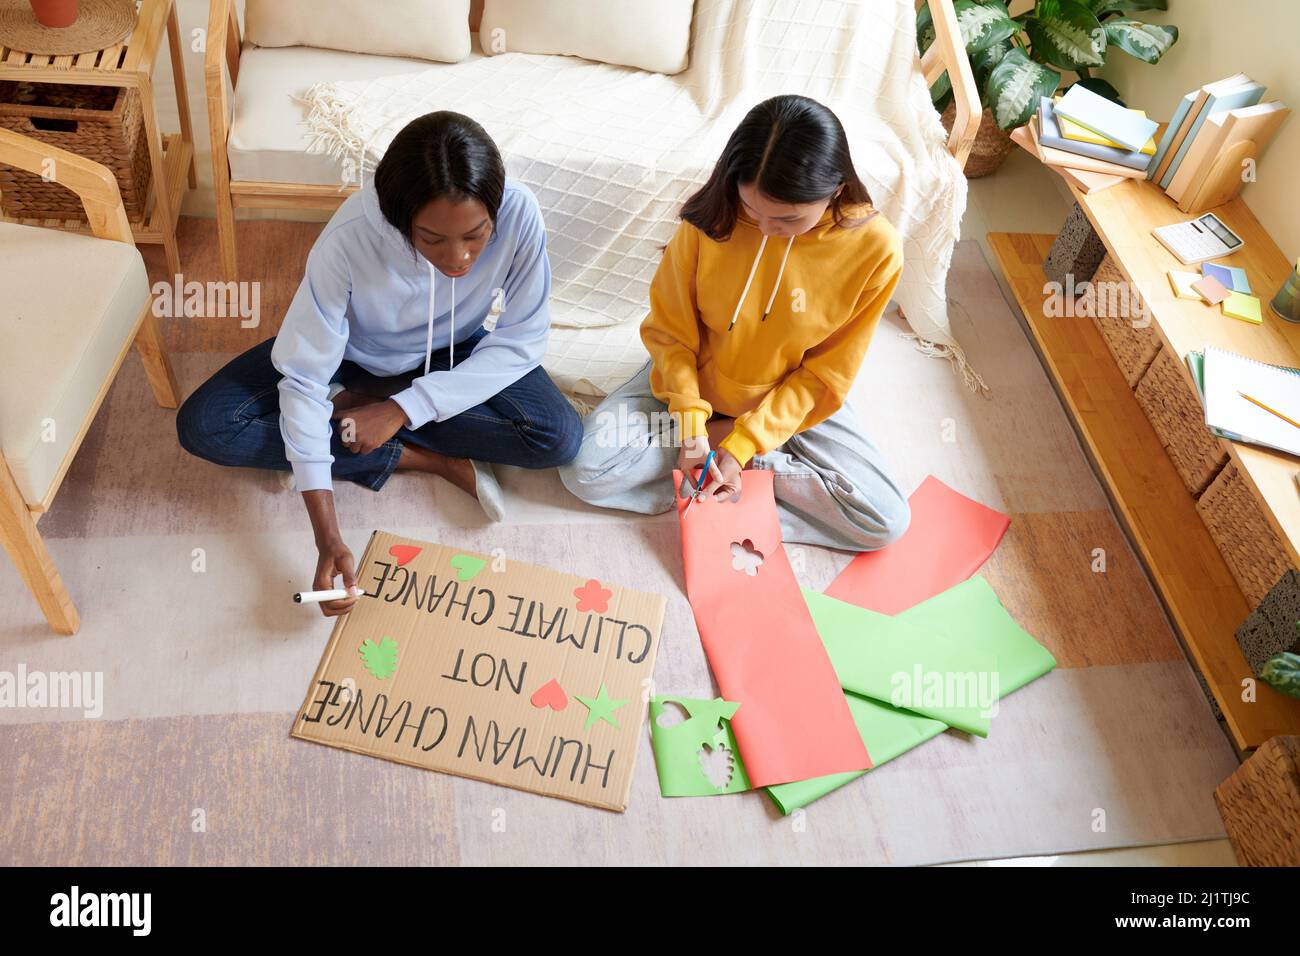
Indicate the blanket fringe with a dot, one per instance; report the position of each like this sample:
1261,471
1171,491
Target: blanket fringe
332,126
956,357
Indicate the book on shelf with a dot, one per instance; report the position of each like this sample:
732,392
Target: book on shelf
1059,157
1051,135
1217,136
1081,134
1105,117
1229,94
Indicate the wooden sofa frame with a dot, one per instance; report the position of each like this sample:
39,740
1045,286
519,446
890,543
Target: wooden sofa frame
221,63
97,188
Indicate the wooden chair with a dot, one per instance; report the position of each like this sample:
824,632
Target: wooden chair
72,306
222,73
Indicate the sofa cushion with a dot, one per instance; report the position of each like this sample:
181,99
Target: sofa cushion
268,140
62,340
652,35
426,29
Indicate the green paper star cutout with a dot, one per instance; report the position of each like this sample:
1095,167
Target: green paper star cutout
601,707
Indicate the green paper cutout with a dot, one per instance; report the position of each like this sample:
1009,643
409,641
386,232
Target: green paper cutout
380,659
972,609
467,566
920,669
600,707
683,750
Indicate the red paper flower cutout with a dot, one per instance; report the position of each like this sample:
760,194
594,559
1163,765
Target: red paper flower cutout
592,597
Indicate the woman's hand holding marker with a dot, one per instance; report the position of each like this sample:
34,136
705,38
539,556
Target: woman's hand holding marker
335,560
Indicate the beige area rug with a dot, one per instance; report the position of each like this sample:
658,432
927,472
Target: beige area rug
183,572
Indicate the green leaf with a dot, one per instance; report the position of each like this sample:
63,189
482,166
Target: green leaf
1103,8
1101,88
983,62
983,24
1282,673
940,92
1066,34
1146,41
924,28
380,659
1015,87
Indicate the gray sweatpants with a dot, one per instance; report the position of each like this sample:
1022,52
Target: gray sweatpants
831,485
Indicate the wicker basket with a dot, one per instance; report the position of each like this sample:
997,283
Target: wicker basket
1260,805
101,123
1133,348
991,147
1251,550
1175,413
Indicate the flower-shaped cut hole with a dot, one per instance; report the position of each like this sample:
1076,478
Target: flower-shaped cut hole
745,557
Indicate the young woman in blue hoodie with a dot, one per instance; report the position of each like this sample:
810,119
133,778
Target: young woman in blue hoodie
414,342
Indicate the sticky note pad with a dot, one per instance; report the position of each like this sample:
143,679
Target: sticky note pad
1211,289
1239,305
1231,277
1182,284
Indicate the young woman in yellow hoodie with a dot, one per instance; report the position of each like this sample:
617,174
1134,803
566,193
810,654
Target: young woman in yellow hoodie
760,315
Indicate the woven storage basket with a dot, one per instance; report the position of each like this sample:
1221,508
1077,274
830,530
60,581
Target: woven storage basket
1171,405
1260,805
1133,348
1252,551
101,123
991,147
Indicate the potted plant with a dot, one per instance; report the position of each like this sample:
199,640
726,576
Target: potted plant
55,13
1019,59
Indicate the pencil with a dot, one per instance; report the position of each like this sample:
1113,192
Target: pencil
1272,411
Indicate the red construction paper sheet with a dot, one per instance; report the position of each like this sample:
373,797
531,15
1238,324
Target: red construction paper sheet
765,653
949,537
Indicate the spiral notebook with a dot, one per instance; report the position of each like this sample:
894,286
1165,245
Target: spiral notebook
1226,375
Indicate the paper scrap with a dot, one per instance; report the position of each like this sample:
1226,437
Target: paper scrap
687,753
949,538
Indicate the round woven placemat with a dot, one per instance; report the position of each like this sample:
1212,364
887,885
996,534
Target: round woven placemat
99,23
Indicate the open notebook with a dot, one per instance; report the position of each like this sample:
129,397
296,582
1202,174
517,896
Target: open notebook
1226,375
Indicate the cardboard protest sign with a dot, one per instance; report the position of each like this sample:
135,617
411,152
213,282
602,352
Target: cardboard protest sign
488,668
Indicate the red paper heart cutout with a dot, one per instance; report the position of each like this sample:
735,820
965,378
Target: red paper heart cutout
404,553
551,695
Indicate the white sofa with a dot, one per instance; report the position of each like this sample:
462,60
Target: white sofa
610,198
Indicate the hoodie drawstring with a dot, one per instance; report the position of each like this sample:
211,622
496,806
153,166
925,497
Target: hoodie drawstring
776,285
428,338
744,293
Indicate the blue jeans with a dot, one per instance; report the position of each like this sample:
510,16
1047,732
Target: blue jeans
234,419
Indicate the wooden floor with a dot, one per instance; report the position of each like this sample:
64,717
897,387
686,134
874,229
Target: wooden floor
1203,599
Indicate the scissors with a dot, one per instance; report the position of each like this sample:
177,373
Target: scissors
699,487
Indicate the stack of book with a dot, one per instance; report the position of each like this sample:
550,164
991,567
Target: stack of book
1092,141
1225,119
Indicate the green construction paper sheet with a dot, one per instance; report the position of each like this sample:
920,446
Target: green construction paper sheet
972,611
969,608
677,748
887,732
870,651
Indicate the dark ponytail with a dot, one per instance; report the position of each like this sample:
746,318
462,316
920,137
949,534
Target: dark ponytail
442,154
794,150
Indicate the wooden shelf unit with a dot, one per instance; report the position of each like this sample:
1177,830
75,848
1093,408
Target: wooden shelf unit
1203,598
130,65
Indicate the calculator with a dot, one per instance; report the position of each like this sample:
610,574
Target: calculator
1199,239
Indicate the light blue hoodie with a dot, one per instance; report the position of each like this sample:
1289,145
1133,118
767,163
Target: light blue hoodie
368,297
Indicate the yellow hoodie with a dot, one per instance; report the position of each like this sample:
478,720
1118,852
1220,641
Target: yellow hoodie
715,350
